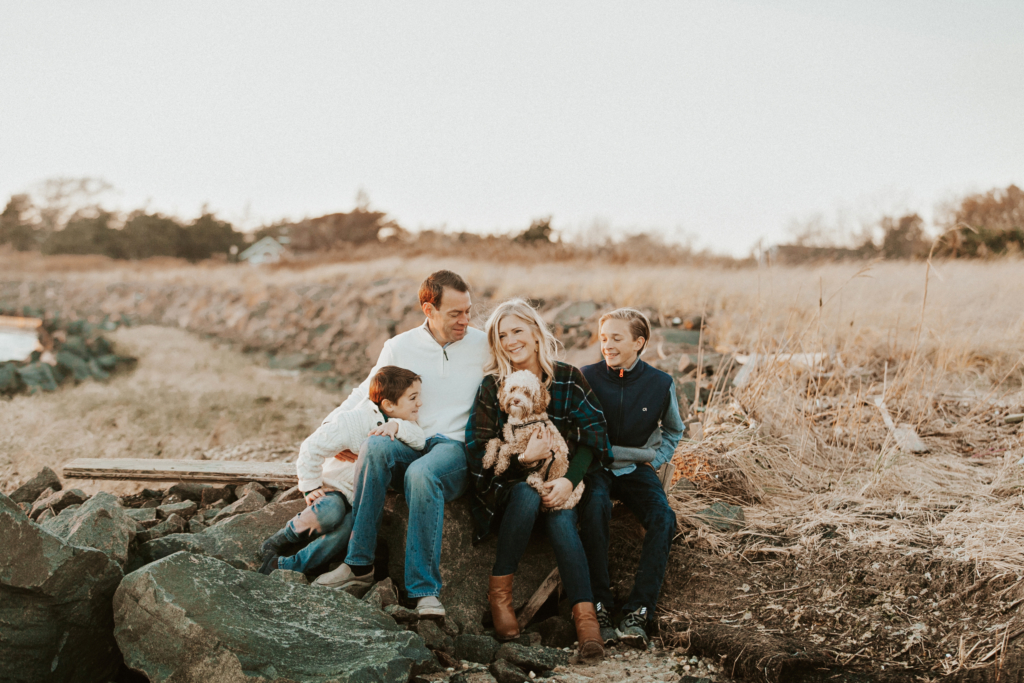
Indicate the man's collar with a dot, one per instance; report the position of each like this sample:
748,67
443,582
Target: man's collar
426,326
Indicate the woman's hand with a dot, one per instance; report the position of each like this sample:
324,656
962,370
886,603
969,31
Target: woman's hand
313,496
558,491
538,448
386,429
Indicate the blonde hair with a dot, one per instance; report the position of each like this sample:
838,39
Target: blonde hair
548,346
639,325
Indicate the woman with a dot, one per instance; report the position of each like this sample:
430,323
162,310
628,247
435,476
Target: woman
519,340
642,412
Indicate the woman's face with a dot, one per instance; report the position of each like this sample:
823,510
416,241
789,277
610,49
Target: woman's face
518,341
618,346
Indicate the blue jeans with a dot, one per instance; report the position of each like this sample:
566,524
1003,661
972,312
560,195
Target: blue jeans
517,522
326,524
643,494
428,479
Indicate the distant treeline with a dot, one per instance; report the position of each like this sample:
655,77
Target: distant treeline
982,225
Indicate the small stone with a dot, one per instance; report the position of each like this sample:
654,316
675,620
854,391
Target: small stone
555,632
507,672
183,509
433,636
46,514
535,658
170,499
30,490
60,500
141,514
384,591
214,494
722,517
213,511
288,576
250,503
479,649
403,615
289,494
150,523
37,505
188,490
253,486
195,526
172,525
1014,419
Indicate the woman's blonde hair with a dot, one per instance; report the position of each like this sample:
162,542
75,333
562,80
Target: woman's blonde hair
639,325
548,346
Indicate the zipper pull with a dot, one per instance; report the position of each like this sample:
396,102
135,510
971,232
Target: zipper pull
621,371
445,352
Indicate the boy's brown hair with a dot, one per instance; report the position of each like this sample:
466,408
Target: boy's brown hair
433,287
639,325
390,383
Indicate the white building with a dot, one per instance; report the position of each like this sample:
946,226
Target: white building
267,250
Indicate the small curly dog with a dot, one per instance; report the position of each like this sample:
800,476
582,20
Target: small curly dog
525,400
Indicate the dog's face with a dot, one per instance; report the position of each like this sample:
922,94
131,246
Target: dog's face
522,394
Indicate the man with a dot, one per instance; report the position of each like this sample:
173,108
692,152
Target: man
449,356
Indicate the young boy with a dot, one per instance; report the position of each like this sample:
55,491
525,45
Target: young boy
391,409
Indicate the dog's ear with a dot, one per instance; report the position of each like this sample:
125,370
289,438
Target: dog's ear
542,400
502,394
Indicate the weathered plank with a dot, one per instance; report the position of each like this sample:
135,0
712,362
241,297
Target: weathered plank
539,597
210,471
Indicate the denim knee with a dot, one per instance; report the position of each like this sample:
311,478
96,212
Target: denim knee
661,518
329,511
419,480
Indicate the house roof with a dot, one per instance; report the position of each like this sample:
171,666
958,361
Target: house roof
267,245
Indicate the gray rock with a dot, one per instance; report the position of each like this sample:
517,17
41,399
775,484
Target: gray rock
472,676
288,576
555,632
60,500
54,605
141,514
189,490
505,671
172,525
253,487
433,636
479,649
214,494
464,567
722,517
384,592
236,541
212,511
30,490
37,504
250,503
288,494
100,523
195,526
184,509
537,658
45,515
194,618
403,615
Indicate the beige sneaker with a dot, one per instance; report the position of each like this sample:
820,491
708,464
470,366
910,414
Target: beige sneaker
429,606
342,578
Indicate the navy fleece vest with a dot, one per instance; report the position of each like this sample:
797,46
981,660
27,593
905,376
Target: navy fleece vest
633,403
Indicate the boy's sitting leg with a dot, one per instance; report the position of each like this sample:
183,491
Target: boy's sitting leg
323,528
380,462
439,476
595,513
643,493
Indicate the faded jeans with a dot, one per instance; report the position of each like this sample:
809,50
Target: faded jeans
428,479
521,513
327,524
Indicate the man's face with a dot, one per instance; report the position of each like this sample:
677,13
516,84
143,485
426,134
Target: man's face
450,318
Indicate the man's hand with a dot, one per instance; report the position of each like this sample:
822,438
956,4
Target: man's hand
313,496
558,491
386,429
538,448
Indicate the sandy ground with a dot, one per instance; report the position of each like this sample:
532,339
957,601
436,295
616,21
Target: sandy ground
186,397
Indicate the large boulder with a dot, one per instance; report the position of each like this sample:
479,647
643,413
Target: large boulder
465,568
56,621
236,541
188,618
30,490
99,523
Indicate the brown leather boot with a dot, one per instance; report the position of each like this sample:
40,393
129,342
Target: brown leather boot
500,597
588,631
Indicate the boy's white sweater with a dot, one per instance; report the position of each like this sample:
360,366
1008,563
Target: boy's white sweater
345,429
451,377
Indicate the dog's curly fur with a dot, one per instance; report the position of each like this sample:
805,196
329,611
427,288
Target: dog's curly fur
525,400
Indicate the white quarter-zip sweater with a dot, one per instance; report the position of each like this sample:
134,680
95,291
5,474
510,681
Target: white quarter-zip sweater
451,377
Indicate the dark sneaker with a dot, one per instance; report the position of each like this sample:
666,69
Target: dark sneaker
604,620
269,564
633,629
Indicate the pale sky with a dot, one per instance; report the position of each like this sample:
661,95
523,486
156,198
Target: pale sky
724,120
